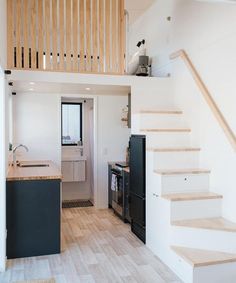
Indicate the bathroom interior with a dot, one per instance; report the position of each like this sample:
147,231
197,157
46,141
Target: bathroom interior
77,151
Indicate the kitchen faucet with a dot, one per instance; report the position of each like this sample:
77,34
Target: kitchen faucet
14,152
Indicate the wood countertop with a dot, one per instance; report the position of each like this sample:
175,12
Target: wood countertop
126,169
50,172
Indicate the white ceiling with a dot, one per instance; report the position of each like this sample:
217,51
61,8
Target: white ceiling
68,88
136,8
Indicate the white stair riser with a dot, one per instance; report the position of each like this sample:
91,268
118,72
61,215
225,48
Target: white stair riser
185,183
176,160
220,273
162,121
194,209
177,139
221,241
217,273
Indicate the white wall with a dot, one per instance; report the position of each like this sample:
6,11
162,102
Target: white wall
207,32
113,139
156,30
37,125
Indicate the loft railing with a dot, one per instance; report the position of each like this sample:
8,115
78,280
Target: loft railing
86,36
206,94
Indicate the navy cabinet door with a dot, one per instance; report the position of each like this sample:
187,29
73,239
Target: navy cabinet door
33,218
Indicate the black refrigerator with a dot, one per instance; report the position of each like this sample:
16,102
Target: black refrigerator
138,185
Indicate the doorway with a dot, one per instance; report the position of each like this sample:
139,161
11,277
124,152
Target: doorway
78,151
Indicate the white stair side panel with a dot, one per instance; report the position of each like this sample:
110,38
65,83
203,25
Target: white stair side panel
220,273
135,124
162,121
181,268
168,139
159,243
194,209
185,183
153,181
176,160
152,97
155,240
196,238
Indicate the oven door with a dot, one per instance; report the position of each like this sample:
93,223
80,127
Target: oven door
117,192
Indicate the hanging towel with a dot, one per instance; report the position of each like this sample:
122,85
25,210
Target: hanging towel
113,183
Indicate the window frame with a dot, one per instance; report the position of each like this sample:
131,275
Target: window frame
81,122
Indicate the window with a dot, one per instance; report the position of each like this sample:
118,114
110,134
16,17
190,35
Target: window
71,116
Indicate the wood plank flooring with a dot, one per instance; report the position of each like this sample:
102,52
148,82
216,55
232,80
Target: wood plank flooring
97,247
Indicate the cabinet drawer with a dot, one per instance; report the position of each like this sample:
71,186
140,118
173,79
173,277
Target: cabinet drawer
79,171
67,171
73,171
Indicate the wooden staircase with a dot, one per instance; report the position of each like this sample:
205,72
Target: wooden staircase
196,242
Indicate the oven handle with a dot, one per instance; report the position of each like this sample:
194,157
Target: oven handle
116,173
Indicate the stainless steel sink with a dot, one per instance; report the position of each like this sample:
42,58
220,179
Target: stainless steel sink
33,165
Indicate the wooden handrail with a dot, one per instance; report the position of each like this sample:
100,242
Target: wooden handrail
206,94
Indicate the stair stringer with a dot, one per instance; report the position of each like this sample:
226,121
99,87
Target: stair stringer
159,243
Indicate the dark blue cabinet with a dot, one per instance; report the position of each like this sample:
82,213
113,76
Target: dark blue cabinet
33,218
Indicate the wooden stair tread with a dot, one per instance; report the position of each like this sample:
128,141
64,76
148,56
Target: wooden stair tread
218,223
166,130
191,196
172,112
198,258
174,149
181,171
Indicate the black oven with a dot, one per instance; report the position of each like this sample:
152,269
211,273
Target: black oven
117,190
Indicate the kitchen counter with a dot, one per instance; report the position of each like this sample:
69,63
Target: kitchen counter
33,210
17,173
73,158
126,169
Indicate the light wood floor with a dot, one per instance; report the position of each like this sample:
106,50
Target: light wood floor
98,247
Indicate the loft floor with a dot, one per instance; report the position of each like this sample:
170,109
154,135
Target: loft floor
97,247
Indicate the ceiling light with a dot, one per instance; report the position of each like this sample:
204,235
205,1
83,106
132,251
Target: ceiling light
32,83
88,88
31,89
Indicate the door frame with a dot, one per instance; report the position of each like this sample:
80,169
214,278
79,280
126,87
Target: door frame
95,134
3,164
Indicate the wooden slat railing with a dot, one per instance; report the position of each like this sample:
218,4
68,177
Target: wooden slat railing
206,94
86,36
